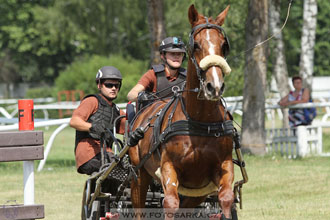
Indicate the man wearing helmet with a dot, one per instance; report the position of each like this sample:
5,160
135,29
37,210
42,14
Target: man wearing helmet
94,114
161,78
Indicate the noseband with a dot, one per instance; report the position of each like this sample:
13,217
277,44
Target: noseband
191,50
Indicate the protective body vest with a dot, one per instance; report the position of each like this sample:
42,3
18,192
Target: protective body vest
164,87
105,114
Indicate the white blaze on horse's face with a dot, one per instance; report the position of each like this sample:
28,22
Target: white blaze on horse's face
213,64
216,79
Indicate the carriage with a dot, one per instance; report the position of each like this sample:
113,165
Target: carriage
190,130
111,203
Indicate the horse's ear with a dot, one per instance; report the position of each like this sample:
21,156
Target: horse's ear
221,17
192,14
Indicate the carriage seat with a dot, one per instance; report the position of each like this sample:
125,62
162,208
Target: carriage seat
130,112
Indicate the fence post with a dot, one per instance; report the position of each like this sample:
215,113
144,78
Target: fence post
302,141
26,122
319,149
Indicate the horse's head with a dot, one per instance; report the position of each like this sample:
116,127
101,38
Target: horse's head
208,46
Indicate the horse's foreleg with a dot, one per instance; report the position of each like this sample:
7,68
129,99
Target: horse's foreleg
226,195
170,186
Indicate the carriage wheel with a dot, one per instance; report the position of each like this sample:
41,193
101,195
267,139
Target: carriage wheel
95,212
84,209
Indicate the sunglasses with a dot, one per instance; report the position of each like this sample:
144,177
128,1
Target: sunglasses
110,85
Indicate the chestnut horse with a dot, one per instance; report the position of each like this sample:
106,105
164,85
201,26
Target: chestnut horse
188,142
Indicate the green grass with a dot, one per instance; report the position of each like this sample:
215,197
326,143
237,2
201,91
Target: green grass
58,186
278,188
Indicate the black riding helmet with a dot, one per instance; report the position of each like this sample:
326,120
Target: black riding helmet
172,44
108,72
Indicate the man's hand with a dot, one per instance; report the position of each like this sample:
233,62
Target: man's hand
97,129
135,137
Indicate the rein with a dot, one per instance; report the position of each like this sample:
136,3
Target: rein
188,127
269,38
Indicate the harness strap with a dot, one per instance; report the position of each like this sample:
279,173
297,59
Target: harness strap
157,127
183,107
159,121
193,128
183,127
189,126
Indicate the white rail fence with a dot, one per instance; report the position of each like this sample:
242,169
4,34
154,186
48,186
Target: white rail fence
302,141
295,142
12,123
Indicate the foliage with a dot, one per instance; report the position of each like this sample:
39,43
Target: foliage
292,38
292,35
80,75
111,26
233,83
45,36
39,39
322,44
40,92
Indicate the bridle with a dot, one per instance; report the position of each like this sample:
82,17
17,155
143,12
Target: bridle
191,47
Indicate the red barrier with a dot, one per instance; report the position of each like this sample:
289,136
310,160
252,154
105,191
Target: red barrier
25,114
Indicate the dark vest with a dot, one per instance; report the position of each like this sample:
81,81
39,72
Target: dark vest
164,87
105,113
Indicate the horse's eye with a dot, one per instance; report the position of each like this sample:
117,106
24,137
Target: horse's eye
196,46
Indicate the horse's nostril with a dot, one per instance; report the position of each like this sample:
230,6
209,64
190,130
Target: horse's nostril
210,87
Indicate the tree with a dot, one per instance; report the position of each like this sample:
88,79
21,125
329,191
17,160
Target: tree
37,38
156,28
253,123
42,37
80,75
8,70
322,43
112,27
306,64
280,71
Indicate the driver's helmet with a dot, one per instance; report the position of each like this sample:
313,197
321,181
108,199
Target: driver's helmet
172,44
108,72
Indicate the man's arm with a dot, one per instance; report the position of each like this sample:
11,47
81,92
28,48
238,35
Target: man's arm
80,116
133,94
79,124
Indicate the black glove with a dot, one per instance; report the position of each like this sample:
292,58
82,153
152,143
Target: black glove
144,98
135,137
97,129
